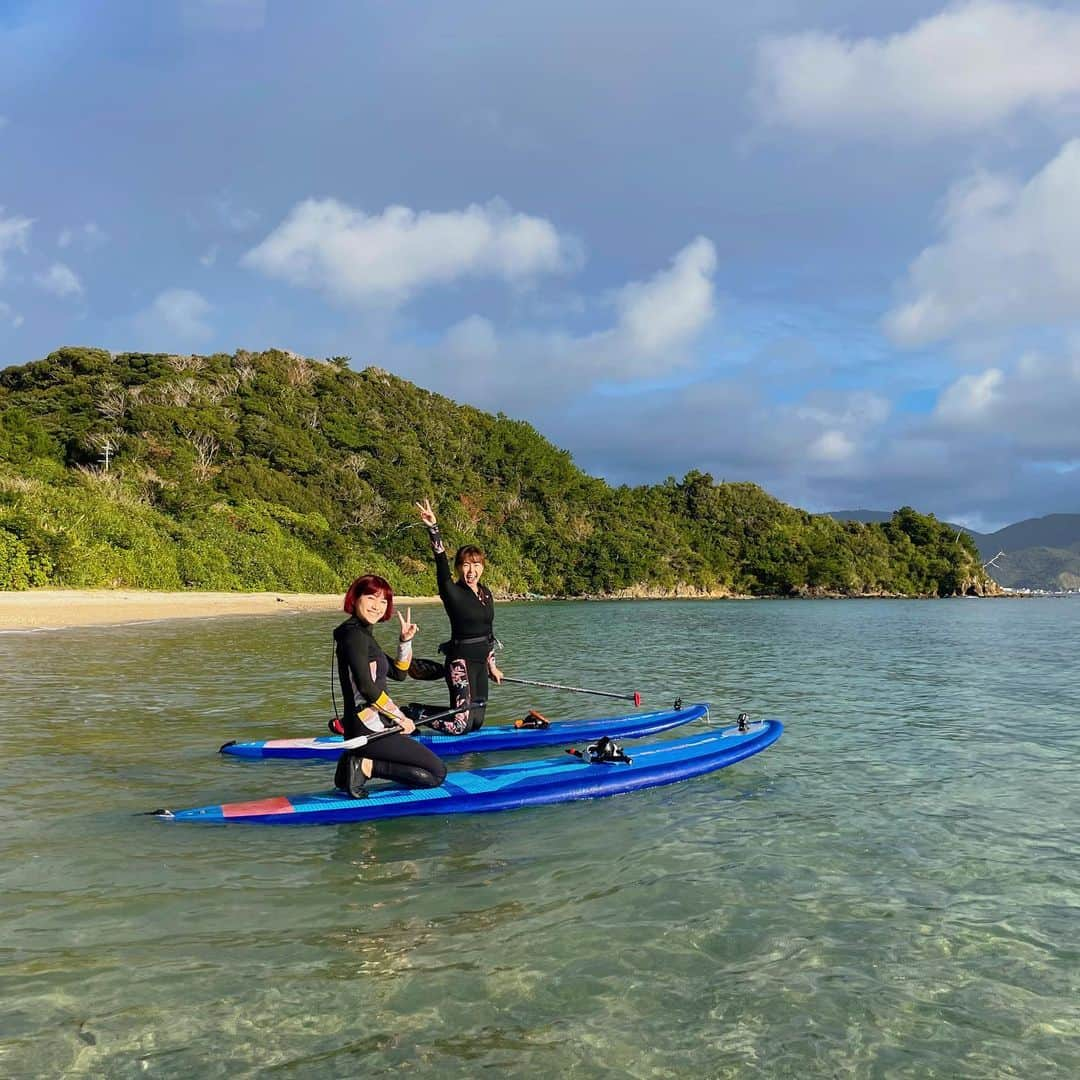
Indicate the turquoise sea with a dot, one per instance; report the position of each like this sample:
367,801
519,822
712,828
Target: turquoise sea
892,890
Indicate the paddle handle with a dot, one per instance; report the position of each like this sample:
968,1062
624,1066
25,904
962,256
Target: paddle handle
395,729
635,697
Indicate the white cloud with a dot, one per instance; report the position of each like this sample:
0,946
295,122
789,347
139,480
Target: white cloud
832,446
175,314
968,67
1031,406
833,427
209,257
657,324
385,259
60,280
1010,256
14,236
971,397
979,194
673,306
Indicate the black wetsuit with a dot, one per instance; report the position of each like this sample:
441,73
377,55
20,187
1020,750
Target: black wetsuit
363,669
469,649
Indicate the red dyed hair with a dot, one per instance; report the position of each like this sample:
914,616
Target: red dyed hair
370,585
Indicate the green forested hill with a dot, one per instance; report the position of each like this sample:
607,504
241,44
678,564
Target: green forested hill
271,471
1037,553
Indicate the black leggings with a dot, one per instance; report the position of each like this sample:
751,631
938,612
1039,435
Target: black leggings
403,760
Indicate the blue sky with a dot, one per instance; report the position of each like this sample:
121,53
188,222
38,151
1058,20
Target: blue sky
829,247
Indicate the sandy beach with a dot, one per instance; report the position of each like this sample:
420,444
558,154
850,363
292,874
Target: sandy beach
45,609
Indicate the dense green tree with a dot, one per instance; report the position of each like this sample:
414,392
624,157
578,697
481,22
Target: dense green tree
273,471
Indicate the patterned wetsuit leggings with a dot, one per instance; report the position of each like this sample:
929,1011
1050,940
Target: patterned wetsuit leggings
467,680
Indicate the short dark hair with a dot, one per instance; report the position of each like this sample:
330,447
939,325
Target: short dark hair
468,553
370,585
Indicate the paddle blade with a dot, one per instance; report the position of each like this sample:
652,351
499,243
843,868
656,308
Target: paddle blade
637,698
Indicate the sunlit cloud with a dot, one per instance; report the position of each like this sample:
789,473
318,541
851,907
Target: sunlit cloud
657,324
1033,404
673,306
970,66
383,260
971,398
1008,257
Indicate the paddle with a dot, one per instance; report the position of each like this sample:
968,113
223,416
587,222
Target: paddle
635,697
363,740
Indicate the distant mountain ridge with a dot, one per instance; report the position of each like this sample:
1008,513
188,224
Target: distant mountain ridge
1051,531
1039,553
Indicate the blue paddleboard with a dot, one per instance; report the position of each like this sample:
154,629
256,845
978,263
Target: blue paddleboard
506,787
487,739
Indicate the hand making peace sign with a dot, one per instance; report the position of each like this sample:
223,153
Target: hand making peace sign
408,627
427,515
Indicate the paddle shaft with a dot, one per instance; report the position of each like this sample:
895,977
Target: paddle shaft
363,740
635,697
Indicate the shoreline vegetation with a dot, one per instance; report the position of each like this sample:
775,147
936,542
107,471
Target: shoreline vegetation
271,472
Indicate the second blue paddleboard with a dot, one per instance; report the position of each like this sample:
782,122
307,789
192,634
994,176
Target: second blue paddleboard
487,739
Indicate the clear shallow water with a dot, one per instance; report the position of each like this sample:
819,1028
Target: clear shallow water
891,890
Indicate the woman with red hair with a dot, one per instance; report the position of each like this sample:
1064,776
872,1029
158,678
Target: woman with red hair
363,669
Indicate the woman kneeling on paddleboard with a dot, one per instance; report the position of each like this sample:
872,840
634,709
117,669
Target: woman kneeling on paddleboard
470,654
363,669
